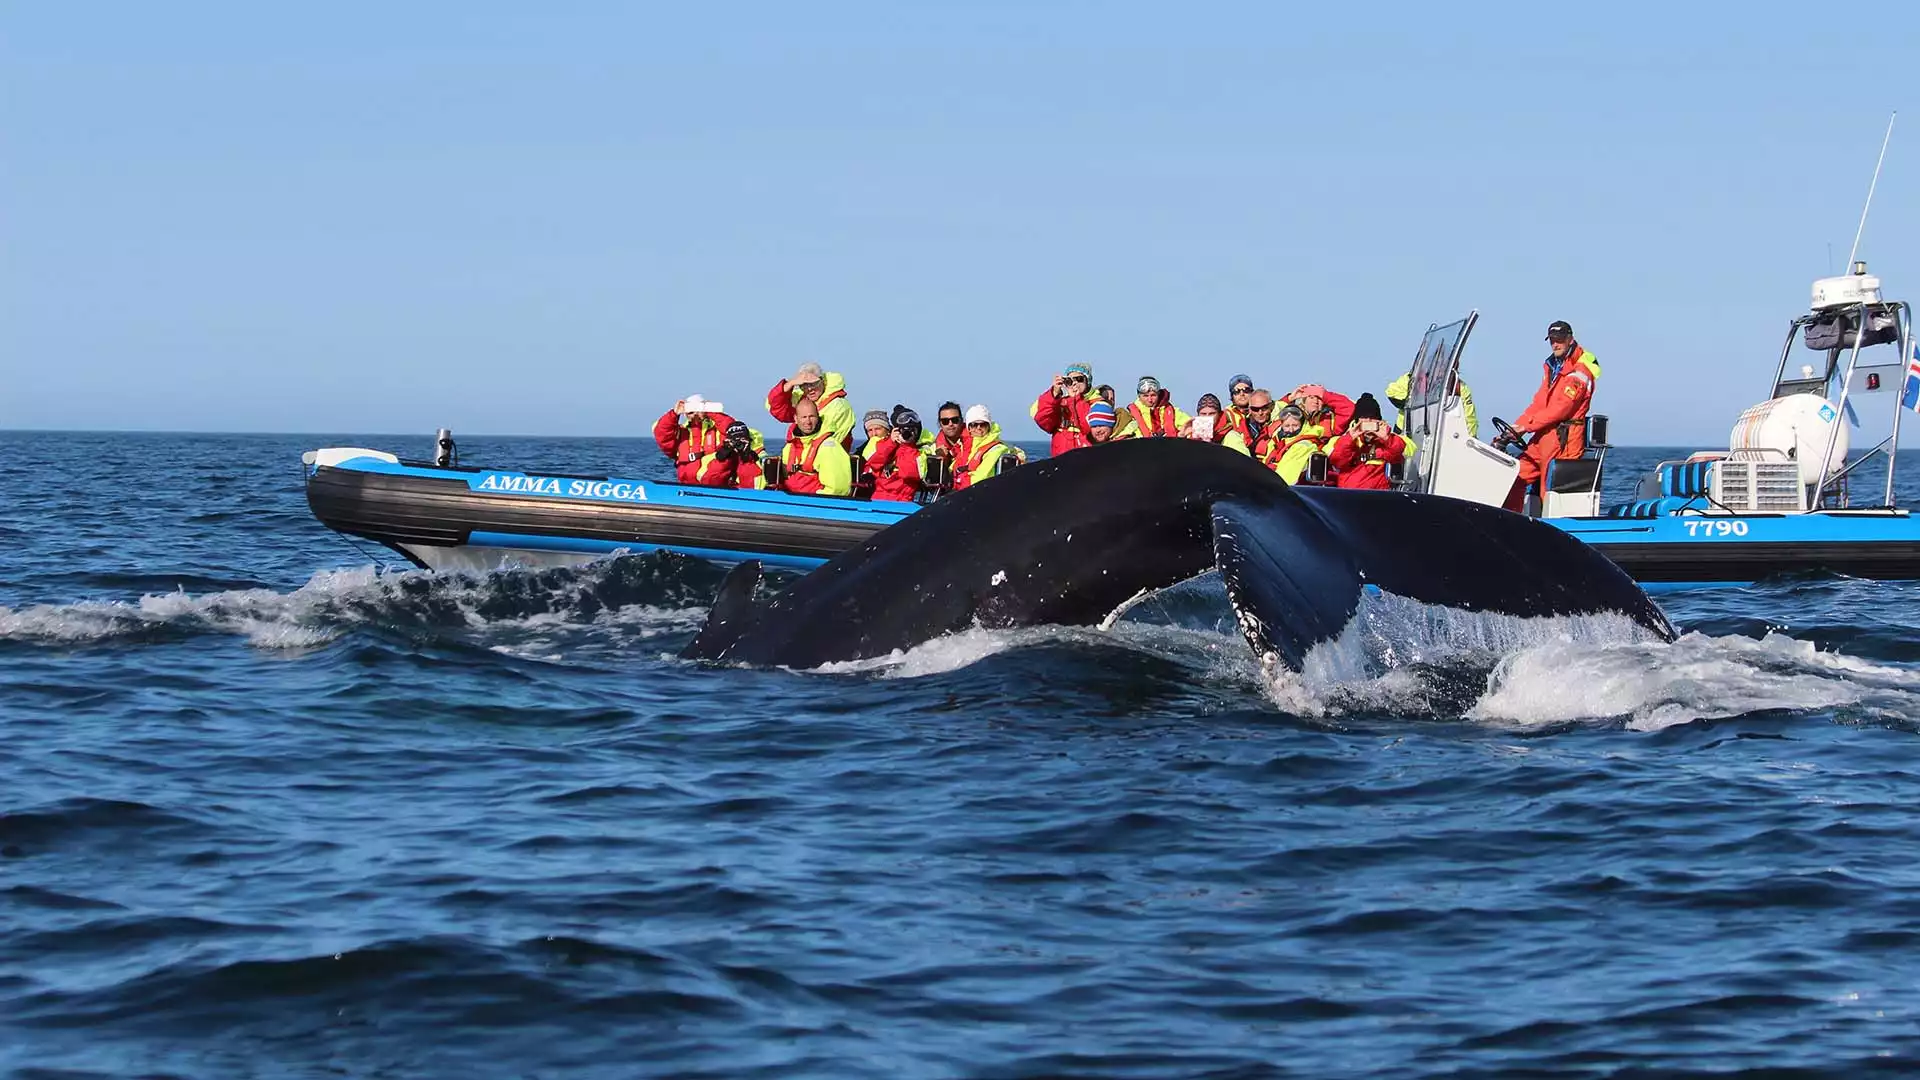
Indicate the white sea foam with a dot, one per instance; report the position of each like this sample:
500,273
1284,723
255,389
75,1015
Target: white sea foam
1539,671
334,602
1549,671
264,617
1396,656
1368,667
1656,685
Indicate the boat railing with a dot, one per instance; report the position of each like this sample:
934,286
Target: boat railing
1839,479
1843,375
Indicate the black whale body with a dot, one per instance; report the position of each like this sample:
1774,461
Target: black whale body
1069,539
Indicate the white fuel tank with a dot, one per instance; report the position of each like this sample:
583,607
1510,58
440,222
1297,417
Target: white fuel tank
1798,425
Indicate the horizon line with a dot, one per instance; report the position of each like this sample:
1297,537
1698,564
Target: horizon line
1038,437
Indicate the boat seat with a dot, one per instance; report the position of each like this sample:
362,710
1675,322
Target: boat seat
1573,476
1687,479
1651,508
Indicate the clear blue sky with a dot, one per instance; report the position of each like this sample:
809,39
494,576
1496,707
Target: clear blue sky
558,218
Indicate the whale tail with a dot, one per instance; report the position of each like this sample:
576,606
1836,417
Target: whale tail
1070,539
1295,566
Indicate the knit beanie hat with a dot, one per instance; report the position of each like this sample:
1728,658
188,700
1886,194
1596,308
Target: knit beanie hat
872,415
1206,400
908,422
1366,408
1100,414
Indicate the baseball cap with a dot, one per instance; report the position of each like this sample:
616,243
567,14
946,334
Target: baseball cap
1560,327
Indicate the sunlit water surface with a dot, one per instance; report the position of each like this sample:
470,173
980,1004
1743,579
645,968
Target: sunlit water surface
276,805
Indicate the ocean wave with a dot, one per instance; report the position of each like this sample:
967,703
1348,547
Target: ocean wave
448,979
1658,685
637,597
1403,659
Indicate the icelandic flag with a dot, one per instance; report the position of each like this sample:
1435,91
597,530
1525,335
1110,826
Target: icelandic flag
1910,393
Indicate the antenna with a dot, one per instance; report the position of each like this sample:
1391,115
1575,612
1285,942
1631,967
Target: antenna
1876,183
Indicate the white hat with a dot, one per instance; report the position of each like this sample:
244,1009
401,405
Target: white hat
809,373
978,414
694,401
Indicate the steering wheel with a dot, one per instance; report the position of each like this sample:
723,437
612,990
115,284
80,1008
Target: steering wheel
1507,433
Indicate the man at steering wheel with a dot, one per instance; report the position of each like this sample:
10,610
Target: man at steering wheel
1554,424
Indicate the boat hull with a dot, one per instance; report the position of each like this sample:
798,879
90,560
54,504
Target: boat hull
477,519
1739,549
468,519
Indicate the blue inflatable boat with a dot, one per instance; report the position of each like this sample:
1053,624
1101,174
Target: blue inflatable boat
1791,494
445,516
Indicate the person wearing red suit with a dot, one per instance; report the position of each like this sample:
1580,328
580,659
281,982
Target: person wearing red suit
889,461
1360,456
1556,418
1061,409
736,464
688,432
1322,408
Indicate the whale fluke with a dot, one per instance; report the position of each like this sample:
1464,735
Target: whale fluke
1295,567
1069,539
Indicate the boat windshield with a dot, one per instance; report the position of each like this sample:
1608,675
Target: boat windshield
1429,386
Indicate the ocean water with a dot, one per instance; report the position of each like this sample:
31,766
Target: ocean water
275,805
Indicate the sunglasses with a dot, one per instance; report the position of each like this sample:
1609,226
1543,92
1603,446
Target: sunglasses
1260,410
1238,390
945,420
981,424
1559,338
1081,379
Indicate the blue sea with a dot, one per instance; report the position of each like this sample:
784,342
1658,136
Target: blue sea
276,805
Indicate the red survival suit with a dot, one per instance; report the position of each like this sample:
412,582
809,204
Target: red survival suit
1556,419
895,468
1063,417
780,405
1340,405
732,471
1368,469
687,443
1161,421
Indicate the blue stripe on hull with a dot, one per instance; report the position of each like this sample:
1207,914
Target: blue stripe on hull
617,491
1830,528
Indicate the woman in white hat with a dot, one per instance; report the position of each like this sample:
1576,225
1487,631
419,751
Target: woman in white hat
985,451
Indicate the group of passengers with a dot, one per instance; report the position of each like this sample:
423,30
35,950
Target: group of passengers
1282,433
899,460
